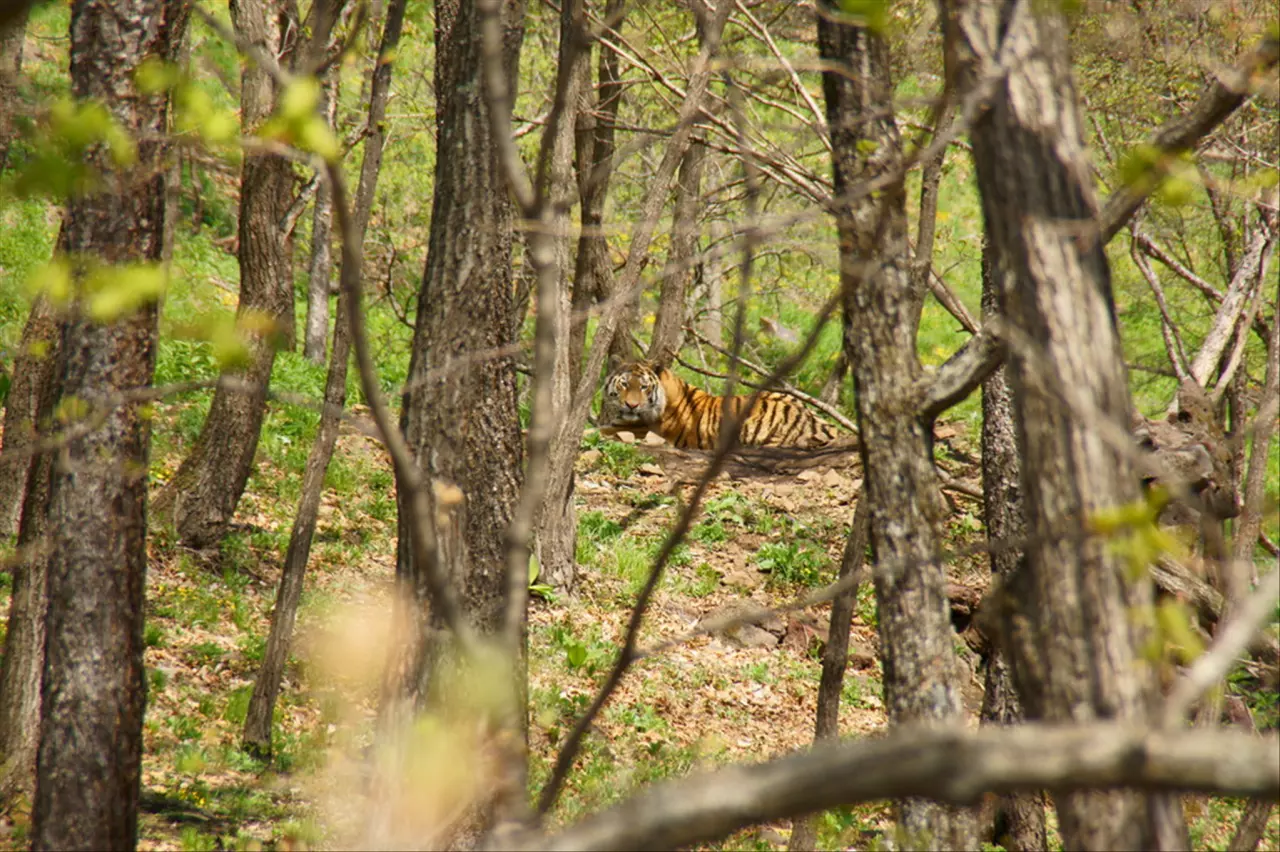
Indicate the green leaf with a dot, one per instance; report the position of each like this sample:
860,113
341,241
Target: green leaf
299,99
576,654
115,292
53,279
154,76
872,14
533,568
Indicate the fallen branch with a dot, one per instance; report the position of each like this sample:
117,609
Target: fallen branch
949,765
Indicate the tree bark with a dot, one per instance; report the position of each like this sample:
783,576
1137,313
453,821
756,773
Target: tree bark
93,692
668,325
256,736
36,387
593,270
1075,650
320,269
13,35
1019,817
835,657
32,374
203,494
462,426
921,677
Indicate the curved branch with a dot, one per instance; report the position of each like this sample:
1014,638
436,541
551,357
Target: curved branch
949,765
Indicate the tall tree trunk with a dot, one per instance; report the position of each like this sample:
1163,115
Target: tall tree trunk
921,677
320,269
32,374
668,325
835,657
31,400
593,270
257,726
13,35
1075,650
462,426
556,526
93,692
1019,817
203,494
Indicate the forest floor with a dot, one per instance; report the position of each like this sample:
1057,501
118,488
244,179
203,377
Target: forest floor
764,536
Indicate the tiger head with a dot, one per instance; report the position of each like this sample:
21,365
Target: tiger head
633,396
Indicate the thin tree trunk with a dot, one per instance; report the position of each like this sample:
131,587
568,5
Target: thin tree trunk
320,269
257,726
13,35
593,271
32,374
202,496
1075,654
93,691
921,675
1019,817
22,665
668,325
835,657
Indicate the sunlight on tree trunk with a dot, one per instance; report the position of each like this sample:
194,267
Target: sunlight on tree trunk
1075,647
90,753
202,496
921,676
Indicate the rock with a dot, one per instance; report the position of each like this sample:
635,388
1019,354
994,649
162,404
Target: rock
653,439
625,437
743,578
651,470
590,457
750,636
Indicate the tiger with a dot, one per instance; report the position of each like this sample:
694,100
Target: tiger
647,395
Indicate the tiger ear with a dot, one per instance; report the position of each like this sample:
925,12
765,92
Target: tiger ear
615,361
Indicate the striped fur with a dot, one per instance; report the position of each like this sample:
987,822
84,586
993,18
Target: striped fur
643,394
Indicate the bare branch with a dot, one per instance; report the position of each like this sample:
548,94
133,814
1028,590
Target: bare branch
950,765
1223,97
1232,641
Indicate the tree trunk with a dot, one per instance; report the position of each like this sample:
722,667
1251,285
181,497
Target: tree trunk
668,325
593,271
257,725
203,494
22,665
921,677
1075,650
1019,817
13,35
462,426
33,371
835,657
319,271
93,693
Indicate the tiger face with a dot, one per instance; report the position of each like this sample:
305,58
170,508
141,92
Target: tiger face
633,397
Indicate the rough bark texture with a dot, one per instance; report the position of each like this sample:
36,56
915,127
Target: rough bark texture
93,693
13,34
593,270
463,427
22,665
203,494
556,525
921,680
668,325
257,725
32,371
320,269
1076,658
1019,817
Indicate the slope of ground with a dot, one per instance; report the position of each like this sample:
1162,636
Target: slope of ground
768,532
